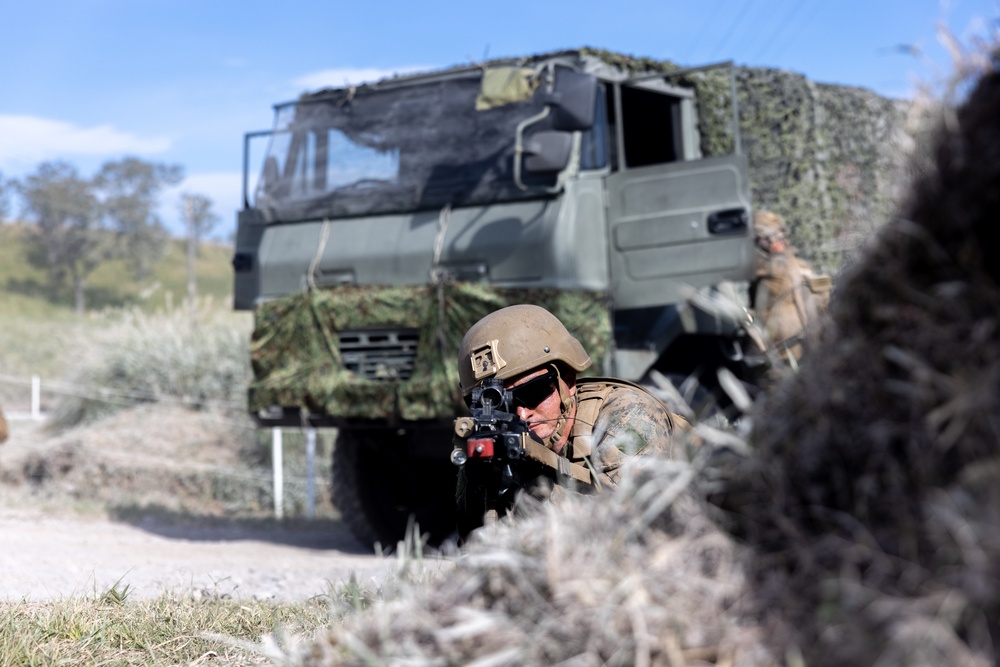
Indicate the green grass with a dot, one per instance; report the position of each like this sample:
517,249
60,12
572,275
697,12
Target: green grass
111,629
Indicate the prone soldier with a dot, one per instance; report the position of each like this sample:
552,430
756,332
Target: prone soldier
591,424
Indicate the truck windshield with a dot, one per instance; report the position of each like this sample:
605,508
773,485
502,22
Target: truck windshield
404,148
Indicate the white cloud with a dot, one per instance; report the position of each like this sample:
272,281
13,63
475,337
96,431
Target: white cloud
26,140
340,77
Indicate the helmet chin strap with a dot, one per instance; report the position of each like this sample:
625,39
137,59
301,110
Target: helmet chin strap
566,403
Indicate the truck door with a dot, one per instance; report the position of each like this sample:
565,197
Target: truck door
674,218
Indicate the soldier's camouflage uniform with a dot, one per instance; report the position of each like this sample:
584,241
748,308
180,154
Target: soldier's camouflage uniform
616,420
609,420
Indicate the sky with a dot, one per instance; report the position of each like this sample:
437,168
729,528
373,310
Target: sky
180,81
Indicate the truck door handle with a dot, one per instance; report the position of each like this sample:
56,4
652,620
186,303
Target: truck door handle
730,221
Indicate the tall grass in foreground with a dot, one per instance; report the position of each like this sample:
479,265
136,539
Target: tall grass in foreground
165,357
109,628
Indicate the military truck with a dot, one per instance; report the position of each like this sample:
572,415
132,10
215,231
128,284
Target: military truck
389,217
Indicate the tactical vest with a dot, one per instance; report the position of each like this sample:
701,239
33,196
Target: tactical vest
591,393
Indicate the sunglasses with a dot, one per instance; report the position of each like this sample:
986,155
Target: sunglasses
534,391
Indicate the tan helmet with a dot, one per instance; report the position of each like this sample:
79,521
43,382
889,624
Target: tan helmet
513,340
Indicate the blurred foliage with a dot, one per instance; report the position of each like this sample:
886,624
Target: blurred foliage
23,291
143,358
81,222
39,332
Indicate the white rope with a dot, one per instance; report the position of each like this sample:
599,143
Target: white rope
324,236
444,219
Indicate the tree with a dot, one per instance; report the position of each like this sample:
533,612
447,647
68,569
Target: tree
200,218
5,187
198,214
81,223
68,237
129,189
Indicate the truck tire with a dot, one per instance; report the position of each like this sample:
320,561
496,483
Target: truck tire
379,488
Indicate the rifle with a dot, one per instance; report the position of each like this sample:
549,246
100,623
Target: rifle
499,456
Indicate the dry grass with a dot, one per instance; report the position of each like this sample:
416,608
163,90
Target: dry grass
170,460
661,586
41,335
110,629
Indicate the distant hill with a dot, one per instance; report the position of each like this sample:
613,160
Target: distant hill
24,292
40,333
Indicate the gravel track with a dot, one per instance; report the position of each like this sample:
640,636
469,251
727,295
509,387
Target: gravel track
49,550
46,557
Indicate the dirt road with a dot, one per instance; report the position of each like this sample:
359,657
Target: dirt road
51,557
50,550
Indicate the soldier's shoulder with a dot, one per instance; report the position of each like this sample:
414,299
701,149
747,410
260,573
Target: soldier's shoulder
611,384
624,396
637,401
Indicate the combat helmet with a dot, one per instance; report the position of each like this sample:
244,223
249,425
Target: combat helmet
513,340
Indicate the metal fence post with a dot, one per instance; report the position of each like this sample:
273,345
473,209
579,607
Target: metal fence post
277,464
310,472
36,398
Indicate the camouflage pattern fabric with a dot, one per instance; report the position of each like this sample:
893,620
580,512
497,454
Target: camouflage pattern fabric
505,85
296,358
632,422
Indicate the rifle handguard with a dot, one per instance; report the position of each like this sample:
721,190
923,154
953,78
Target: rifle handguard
534,450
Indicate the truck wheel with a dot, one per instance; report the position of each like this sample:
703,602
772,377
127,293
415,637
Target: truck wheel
378,487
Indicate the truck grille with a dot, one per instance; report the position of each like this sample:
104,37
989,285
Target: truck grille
380,354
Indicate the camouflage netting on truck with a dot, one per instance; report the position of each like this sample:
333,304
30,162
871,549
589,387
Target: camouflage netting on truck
830,159
297,360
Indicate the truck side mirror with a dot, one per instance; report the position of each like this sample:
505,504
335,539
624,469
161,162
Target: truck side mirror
572,100
547,151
